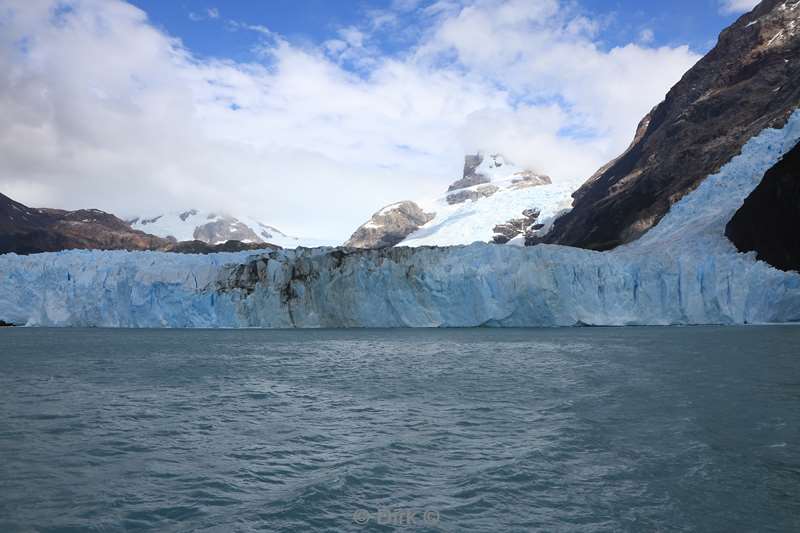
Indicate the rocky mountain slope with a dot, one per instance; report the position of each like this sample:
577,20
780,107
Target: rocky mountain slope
492,192
28,230
390,226
749,81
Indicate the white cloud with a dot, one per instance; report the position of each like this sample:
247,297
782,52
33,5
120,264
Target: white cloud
103,110
211,13
730,7
647,36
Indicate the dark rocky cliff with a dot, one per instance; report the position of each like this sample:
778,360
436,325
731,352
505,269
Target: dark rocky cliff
769,221
748,82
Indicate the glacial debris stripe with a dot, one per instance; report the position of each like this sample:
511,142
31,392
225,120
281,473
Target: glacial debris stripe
683,271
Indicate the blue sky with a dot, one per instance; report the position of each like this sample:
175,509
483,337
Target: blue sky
693,22
311,115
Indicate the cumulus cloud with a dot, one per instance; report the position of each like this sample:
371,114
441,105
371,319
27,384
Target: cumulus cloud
101,109
730,7
211,13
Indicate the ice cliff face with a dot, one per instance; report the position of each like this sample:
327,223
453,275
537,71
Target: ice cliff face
114,289
683,271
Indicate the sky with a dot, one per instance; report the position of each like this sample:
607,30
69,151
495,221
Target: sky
310,115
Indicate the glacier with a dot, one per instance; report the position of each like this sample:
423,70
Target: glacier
683,271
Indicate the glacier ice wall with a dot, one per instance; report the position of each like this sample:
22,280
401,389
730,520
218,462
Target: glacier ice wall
683,271
114,288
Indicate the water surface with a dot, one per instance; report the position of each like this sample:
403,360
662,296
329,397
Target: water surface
636,429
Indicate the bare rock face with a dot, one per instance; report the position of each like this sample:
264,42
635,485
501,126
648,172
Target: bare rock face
463,195
748,82
389,226
225,228
201,247
471,176
769,220
527,179
518,226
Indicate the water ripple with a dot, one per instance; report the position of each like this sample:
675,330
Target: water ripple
516,430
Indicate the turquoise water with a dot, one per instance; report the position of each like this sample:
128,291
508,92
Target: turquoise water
633,429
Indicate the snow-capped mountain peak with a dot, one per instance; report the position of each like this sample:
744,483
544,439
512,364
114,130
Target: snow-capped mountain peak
492,193
216,228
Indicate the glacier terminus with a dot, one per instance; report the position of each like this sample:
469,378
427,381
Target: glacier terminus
683,271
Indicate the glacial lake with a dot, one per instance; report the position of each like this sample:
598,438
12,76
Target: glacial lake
591,429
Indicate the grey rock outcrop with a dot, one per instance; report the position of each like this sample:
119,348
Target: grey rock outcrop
471,176
483,191
225,228
528,178
518,226
390,226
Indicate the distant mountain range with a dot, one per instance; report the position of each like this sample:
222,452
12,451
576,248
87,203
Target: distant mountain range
217,228
26,230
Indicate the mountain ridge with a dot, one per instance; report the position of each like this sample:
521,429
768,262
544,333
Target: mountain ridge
27,230
738,89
